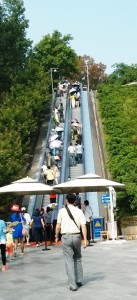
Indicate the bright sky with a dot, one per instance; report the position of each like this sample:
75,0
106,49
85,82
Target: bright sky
103,29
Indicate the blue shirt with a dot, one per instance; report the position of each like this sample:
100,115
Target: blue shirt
2,232
54,215
37,221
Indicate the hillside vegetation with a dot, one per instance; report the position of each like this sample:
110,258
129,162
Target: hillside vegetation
118,109
25,87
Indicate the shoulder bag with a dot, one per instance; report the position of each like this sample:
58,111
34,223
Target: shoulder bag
71,216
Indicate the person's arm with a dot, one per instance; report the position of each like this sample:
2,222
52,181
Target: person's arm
23,219
84,232
4,229
58,228
52,216
42,222
31,222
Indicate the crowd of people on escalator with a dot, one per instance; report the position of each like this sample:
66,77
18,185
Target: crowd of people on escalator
75,149
51,168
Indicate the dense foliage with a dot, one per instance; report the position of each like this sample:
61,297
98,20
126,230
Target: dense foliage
118,109
25,87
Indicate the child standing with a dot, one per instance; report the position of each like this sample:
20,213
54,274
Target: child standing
3,244
10,243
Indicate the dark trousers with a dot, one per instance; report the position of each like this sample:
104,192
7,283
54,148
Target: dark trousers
38,235
50,182
3,253
88,231
79,158
52,200
48,232
54,230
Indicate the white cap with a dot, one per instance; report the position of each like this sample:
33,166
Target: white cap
23,208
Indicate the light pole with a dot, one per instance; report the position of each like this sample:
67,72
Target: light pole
51,71
86,62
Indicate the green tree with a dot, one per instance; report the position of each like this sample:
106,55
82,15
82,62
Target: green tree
14,45
54,51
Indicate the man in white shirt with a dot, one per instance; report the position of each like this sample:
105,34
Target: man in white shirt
79,153
71,240
44,171
72,153
89,216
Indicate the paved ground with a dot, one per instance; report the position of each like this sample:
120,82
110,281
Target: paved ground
110,273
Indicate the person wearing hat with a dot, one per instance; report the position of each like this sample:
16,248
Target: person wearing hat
17,219
27,225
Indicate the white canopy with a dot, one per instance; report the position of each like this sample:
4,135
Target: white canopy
88,185
26,186
89,176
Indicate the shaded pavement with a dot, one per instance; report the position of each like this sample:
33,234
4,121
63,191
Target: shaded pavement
110,273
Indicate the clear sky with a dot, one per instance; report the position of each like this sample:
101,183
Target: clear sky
103,29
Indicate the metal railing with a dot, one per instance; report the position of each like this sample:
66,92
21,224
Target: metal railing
65,157
37,199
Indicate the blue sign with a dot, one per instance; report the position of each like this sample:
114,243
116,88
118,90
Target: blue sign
105,199
97,226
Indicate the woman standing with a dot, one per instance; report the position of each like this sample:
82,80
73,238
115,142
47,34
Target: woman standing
38,225
27,225
3,244
18,219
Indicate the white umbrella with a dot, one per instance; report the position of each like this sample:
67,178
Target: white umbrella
53,137
88,185
26,186
50,205
72,91
92,185
26,179
89,176
76,124
55,144
59,129
56,157
75,83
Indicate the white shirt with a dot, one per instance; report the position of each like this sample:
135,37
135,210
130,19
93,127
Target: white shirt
27,218
79,149
71,149
44,169
88,213
68,225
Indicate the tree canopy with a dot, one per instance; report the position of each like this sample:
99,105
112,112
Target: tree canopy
14,45
96,71
54,51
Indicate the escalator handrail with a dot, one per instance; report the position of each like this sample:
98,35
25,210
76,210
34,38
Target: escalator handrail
65,158
33,198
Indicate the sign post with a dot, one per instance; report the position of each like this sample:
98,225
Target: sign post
97,226
112,195
105,199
